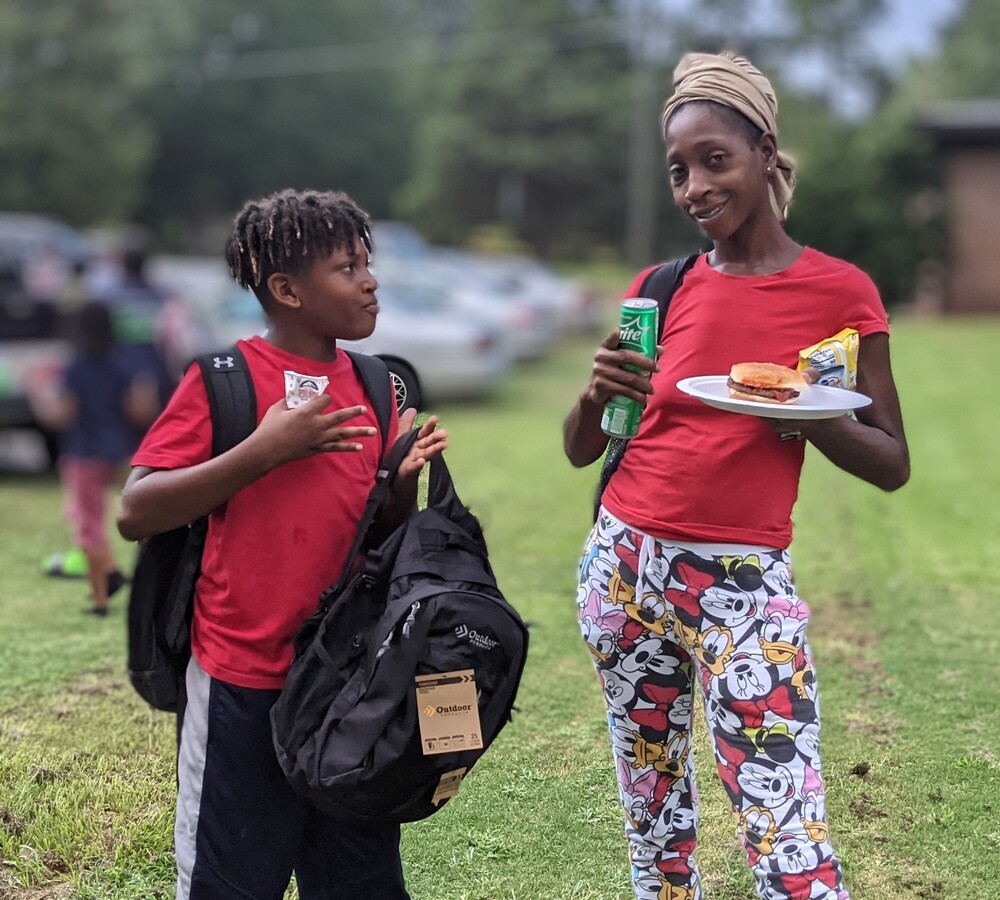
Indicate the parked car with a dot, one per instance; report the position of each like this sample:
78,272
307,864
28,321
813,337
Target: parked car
524,328
565,304
43,250
451,357
35,352
569,304
37,257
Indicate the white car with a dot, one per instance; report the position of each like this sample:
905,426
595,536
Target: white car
525,328
567,303
453,356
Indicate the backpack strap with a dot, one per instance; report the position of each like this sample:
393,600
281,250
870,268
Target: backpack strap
662,282
374,374
232,401
660,285
376,499
232,406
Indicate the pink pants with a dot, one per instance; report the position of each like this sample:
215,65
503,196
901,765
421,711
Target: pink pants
87,482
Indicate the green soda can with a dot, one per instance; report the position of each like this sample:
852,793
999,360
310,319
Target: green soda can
638,330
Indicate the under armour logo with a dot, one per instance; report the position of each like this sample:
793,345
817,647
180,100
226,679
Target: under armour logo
223,362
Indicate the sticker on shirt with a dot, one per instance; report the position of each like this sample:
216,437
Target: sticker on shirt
300,389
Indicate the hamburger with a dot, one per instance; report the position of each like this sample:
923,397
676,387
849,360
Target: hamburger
765,383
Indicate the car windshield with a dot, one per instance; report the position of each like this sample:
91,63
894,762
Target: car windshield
413,297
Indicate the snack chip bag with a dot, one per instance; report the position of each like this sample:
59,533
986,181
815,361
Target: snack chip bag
835,358
300,389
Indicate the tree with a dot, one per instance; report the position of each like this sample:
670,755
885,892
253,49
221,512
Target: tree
300,94
524,122
73,141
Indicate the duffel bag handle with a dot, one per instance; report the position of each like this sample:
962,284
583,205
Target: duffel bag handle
376,500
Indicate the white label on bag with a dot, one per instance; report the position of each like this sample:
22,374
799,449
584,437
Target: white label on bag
448,712
448,785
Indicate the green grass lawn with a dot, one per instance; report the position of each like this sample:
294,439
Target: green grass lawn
905,636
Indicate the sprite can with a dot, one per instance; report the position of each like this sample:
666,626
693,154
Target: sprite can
638,330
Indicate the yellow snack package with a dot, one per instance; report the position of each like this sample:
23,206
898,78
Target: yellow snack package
835,358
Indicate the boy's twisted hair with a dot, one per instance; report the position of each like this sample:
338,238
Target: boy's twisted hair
288,230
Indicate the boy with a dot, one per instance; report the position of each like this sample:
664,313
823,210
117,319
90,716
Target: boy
283,507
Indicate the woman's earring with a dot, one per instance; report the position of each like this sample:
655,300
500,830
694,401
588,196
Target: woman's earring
768,170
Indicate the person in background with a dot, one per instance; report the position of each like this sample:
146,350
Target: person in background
283,507
99,406
686,577
137,304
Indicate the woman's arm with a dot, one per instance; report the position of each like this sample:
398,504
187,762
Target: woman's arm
157,500
874,447
583,440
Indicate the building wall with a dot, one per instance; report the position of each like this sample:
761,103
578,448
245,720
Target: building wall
972,184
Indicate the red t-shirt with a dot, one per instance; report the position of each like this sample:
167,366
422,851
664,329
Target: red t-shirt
695,473
278,543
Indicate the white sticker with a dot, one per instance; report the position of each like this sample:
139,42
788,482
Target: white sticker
300,389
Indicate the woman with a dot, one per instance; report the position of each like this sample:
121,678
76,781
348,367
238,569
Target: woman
686,576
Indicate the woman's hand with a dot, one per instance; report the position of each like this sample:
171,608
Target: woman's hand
871,446
609,376
583,440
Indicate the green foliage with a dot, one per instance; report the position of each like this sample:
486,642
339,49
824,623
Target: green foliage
860,194
967,66
295,95
74,141
531,129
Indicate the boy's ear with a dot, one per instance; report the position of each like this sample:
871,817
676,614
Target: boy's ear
282,289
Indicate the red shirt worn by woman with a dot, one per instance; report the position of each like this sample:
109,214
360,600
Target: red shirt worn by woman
694,473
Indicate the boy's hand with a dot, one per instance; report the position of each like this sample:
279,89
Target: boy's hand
308,430
429,443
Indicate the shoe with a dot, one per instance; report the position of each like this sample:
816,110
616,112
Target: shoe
71,564
116,581
96,611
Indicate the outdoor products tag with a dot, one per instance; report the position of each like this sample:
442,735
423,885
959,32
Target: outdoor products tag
448,712
301,389
448,785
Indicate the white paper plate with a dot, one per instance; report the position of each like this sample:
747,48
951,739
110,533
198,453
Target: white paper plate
815,402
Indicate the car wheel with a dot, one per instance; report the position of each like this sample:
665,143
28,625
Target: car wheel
405,384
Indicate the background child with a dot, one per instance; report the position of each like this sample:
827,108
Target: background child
100,406
283,507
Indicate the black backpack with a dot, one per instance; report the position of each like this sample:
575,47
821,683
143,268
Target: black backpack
168,564
660,285
421,611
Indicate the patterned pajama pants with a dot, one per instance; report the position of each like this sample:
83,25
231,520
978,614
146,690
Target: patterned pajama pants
657,617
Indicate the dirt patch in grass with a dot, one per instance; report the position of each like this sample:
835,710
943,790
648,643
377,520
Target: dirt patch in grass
10,891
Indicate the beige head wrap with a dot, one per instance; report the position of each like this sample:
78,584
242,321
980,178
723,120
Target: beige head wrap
735,82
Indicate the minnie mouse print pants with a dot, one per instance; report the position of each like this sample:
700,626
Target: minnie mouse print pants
657,616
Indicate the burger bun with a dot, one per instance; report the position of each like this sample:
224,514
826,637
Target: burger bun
765,383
